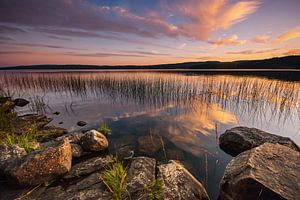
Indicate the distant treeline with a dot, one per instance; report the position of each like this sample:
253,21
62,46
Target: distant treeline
288,62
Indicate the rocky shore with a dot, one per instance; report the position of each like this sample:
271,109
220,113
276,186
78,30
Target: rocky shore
63,165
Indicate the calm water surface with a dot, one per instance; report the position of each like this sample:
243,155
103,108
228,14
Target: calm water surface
164,115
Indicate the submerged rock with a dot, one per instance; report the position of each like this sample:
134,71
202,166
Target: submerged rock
39,120
51,132
140,176
269,171
8,154
149,144
236,140
81,123
21,102
179,183
94,141
40,166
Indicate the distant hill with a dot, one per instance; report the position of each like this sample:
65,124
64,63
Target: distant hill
288,62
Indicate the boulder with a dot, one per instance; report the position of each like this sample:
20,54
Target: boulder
94,141
149,144
140,176
179,183
239,139
89,188
269,171
40,166
81,123
77,150
88,167
8,153
21,102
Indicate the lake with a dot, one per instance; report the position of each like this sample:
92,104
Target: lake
166,115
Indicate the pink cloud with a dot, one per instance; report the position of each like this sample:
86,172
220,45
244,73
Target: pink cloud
290,34
201,17
207,16
231,40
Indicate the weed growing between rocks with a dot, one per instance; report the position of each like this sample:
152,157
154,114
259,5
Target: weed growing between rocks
26,140
104,128
114,177
155,190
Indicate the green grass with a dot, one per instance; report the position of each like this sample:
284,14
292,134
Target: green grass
6,119
155,190
114,178
104,128
24,140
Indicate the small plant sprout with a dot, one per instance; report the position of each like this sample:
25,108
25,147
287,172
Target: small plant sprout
114,178
104,128
155,190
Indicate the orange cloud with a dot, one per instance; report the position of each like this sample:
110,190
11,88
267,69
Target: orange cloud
208,16
231,40
290,34
292,52
262,39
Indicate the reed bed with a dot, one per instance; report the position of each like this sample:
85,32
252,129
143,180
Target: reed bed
243,94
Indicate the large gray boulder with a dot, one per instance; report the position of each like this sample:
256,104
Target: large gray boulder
40,166
8,153
94,141
89,188
179,183
140,176
87,167
239,139
269,171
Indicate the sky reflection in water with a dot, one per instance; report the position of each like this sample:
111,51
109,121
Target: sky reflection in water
187,112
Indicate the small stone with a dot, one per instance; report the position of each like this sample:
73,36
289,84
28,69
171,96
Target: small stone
81,123
21,102
56,113
94,141
60,122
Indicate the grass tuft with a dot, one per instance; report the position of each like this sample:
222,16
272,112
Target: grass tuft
104,128
24,140
155,190
114,178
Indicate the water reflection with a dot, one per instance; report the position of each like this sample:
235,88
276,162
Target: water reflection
185,113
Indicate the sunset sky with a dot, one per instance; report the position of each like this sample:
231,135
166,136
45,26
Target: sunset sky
122,32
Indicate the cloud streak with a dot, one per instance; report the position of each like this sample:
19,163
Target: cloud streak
82,18
231,40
